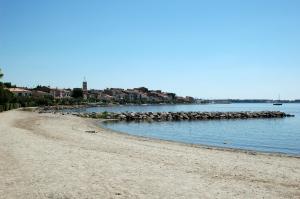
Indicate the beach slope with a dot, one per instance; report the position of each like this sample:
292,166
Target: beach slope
53,156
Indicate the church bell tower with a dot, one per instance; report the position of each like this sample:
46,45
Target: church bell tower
84,89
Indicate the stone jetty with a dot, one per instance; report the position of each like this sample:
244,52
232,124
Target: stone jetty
182,116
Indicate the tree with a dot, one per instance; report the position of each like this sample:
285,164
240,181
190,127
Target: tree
5,96
9,85
43,89
142,89
77,93
1,74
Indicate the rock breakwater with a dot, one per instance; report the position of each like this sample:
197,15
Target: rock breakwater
181,116
49,109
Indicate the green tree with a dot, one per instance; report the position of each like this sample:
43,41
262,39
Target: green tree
1,74
5,95
77,93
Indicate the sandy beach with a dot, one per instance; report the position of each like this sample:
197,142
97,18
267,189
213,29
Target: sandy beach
52,156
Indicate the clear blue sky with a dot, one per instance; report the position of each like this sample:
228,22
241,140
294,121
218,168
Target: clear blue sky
206,49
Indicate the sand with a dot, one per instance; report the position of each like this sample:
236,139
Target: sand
52,156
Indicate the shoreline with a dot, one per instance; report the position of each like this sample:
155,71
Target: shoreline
98,122
56,156
200,146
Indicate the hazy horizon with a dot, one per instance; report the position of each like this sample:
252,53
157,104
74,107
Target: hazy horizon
204,49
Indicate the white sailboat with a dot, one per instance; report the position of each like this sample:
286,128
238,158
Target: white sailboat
278,103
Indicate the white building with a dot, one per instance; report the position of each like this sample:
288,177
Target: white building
20,92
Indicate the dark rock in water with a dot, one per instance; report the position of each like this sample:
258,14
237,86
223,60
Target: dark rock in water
91,132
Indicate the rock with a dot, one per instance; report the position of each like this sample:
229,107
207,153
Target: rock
178,116
90,131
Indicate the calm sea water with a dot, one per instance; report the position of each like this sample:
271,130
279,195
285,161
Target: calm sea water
268,135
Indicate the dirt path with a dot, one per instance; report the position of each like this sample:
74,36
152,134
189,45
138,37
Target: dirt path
51,156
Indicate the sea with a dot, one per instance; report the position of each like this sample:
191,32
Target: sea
281,135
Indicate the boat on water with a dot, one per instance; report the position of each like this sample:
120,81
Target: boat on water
278,103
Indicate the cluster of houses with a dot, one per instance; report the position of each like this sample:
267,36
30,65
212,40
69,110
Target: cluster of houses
136,95
41,92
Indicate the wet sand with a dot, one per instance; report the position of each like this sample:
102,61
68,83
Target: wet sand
53,156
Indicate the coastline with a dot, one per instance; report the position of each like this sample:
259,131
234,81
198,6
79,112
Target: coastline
200,146
94,105
53,156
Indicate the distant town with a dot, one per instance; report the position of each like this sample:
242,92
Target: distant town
141,95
